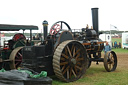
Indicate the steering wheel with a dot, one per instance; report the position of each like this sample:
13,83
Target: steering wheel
56,27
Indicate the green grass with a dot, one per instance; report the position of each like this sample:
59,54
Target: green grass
117,39
120,50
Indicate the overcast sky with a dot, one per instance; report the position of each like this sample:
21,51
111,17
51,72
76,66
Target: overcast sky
77,13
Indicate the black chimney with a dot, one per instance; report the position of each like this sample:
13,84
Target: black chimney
95,20
45,28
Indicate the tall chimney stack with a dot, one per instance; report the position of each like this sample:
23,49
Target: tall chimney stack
45,28
95,20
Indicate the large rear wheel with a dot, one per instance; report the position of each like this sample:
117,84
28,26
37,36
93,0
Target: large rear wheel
16,58
70,61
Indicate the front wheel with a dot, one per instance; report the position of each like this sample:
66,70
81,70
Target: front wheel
110,61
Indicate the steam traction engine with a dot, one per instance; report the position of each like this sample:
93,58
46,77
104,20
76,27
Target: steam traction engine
68,53
11,51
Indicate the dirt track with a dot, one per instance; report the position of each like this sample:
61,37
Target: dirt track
122,60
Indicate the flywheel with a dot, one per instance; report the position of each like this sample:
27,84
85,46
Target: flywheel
70,61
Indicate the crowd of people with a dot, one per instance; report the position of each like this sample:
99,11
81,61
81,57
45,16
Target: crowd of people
116,45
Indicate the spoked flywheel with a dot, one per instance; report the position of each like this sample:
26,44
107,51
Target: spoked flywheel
110,61
70,61
16,58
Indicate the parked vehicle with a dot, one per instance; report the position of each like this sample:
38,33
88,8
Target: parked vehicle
125,40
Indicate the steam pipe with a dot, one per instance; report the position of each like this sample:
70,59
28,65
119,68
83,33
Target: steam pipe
95,20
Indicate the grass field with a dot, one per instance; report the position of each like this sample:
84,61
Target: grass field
120,50
97,75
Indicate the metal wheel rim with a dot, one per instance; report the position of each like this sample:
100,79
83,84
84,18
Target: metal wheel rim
69,62
110,61
16,58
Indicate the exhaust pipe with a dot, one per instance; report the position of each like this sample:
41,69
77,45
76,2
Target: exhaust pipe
95,20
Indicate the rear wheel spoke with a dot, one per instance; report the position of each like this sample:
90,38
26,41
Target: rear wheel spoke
79,67
67,73
80,59
65,70
70,72
66,52
69,52
78,55
74,50
75,69
63,63
77,51
74,73
65,55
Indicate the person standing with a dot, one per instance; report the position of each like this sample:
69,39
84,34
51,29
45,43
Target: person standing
107,47
115,44
119,45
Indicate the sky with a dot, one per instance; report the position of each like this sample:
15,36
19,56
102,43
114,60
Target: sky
77,13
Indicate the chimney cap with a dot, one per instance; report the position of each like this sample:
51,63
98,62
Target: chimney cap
45,22
94,8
